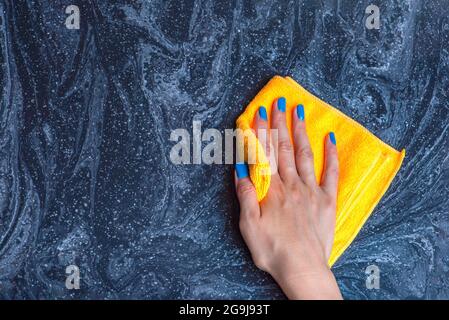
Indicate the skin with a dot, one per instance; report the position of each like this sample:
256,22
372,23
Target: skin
291,231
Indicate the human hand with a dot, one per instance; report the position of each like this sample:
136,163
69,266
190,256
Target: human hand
291,231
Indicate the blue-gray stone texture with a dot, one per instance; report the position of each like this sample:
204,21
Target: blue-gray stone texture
86,116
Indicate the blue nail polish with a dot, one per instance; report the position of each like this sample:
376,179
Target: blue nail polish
263,113
332,138
241,169
282,103
300,112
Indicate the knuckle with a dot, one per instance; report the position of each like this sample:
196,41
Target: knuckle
329,202
313,197
245,188
267,148
281,198
291,174
296,188
305,153
333,170
244,224
260,263
285,146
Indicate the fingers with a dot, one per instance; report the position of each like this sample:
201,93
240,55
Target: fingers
303,151
246,193
283,147
265,138
261,129
329,182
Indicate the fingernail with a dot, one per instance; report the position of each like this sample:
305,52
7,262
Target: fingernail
241,169
300,112
332,138
282,104
263,113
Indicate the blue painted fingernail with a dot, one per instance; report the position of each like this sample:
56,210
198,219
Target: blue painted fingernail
332,137
300,112
241,169
263,113
282,104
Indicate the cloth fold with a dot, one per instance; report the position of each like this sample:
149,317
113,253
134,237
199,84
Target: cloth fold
367,164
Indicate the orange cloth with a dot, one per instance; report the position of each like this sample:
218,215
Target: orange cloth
367,164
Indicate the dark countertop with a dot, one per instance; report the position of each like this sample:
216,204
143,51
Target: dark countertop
86,115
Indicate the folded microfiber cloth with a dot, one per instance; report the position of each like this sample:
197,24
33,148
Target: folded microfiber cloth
367,164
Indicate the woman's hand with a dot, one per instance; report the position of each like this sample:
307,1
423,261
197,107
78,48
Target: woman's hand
291,231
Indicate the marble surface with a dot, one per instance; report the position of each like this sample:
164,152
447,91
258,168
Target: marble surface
86,115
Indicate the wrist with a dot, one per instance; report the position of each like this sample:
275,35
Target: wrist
311,280
313,286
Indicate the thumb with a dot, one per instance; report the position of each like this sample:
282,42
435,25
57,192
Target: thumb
246,193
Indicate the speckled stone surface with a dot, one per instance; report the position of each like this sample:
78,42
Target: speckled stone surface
86,116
